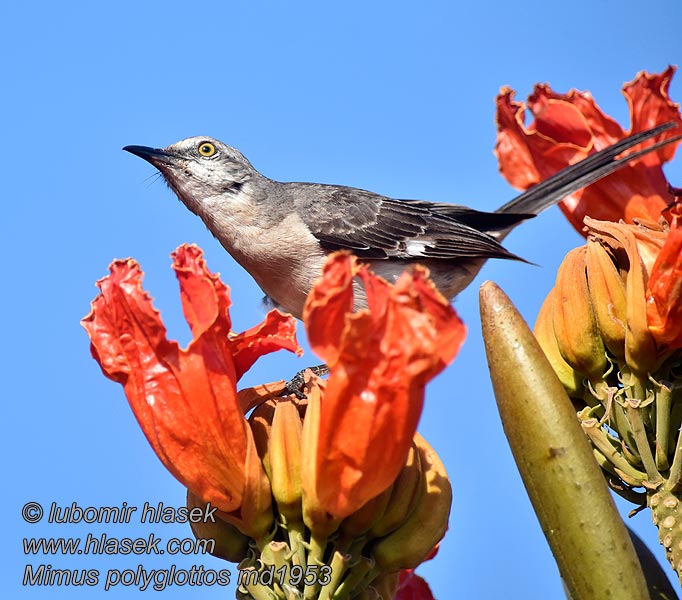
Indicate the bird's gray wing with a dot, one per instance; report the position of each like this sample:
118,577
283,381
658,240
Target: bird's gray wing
374,226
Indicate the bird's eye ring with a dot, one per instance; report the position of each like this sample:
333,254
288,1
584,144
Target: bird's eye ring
206,149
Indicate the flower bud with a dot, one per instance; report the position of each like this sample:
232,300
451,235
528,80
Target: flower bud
260,422
255,515
228,542
405,495
544,333
607,293
285,459
315,517
634,247
575,326
409,544
358,523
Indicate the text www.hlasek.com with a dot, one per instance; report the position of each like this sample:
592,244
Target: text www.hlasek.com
110,545
140,577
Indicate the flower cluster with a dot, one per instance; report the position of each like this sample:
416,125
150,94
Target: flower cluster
338,484
612,325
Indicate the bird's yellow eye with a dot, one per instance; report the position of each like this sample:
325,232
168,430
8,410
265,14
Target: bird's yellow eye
206,149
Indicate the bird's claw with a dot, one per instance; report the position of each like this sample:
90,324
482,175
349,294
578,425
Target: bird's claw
294,387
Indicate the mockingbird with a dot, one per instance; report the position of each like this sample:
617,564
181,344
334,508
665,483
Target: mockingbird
281,232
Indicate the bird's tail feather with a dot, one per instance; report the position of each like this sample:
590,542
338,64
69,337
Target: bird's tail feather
587,171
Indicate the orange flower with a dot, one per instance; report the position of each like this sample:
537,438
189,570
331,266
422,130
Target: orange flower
297,470
569,127
185,400
623,292
380,360
664,288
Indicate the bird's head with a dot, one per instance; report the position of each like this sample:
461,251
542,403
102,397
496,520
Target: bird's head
199,168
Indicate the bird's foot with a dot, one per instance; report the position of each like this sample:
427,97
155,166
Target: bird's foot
294,387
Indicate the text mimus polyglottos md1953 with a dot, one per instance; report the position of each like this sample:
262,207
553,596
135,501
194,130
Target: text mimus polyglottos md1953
281,232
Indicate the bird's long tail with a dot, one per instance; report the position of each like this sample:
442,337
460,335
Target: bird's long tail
587,171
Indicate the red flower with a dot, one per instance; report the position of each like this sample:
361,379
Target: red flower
359,425
569,127
413,587
380,360
297,470
664,288
185,400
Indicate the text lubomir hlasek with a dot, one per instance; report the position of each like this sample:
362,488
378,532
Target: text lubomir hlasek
149,513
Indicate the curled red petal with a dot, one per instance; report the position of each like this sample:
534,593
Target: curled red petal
650,105
513,147
205,299
383,357
184,400
408,588
277,332
206,302
452,331
327,305
528,155
572,119
664,289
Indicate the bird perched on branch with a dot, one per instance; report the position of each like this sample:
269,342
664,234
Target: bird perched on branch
281,232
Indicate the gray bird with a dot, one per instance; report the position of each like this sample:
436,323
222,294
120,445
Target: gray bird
281,232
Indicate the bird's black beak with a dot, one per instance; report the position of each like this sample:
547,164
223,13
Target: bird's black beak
152,155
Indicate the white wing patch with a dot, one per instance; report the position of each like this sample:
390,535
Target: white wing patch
416,247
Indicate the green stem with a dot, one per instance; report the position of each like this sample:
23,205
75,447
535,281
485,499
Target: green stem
296,533
257,591
315,557
675,421
676,469
601,442
360,573
605,394
624,490
623,427
634,415
277,555
663,406
338,565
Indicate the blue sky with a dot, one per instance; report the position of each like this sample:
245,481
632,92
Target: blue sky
394,97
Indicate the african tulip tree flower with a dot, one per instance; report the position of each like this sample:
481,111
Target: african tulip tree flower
347,457
380,359
569,127
612,330
185,400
